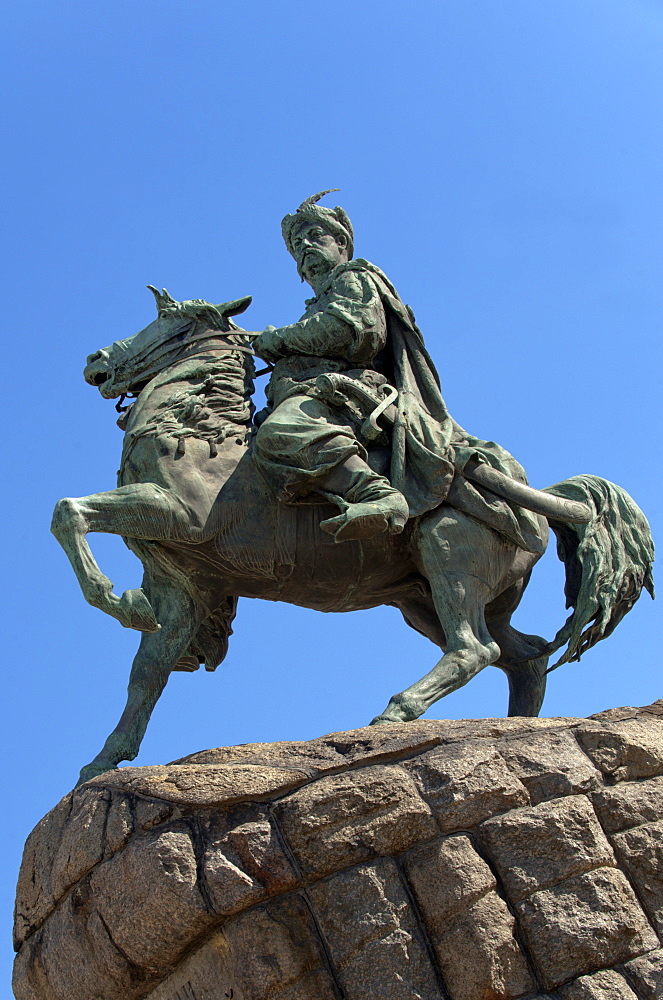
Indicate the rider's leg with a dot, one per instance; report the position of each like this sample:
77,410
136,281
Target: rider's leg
370,504
305,446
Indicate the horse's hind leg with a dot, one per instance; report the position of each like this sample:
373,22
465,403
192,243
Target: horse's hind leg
524,666
459,599
469,648
143,510
527,680
156,657
520,654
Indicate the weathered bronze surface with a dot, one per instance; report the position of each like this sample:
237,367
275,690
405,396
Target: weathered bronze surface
354,488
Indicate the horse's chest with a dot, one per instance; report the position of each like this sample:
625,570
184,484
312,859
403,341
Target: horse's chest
176,412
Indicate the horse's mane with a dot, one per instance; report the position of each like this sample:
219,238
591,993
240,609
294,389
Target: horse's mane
201,311
216,403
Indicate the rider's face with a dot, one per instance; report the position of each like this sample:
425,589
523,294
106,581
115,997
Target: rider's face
317,251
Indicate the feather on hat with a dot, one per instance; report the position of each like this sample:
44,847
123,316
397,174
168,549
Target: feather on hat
333,219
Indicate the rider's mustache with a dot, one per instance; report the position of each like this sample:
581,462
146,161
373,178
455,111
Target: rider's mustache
313,252
309,258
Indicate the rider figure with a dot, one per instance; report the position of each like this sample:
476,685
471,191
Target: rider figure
355,325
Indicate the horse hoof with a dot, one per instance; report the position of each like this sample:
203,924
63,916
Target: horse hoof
383,720
93,771
135,611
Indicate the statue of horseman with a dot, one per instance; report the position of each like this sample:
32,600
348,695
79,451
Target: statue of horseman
355,414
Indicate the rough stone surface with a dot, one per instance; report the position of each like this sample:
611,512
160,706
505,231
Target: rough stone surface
335,752
446,876
622,806
606,985
646,975
462,860
149,899
537,847
245,861
208,974
467,782
626,750
347,818
73,955
61,849
205,785
597,924
283,957
470,927
550,764
478,953
379,951
641,853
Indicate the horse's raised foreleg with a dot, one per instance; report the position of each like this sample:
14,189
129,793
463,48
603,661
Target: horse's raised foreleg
143,510
156,657
459,598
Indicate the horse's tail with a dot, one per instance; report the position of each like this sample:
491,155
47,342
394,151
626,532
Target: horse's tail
608,562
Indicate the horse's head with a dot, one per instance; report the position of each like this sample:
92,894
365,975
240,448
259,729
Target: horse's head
126,366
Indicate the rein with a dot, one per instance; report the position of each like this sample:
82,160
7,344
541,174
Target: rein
165,358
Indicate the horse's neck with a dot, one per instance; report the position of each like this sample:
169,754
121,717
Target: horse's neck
182,344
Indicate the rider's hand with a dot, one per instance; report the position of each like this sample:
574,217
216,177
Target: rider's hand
269,345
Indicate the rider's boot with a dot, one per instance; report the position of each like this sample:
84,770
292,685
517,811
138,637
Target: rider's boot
370,504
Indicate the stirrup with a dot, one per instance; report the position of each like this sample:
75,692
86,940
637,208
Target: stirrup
364,520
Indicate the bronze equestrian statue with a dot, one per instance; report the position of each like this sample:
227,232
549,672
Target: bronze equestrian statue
353,488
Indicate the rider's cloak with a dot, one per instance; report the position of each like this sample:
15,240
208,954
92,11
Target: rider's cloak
429,449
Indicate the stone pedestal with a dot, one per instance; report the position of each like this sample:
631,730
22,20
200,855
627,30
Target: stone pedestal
475,860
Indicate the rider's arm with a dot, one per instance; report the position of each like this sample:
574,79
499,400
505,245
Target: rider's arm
352,325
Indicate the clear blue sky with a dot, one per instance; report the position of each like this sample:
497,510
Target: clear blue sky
502,162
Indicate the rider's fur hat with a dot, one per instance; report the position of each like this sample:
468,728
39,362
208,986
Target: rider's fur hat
333,219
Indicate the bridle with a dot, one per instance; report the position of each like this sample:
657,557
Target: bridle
164,359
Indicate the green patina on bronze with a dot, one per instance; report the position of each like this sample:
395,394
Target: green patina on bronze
354,488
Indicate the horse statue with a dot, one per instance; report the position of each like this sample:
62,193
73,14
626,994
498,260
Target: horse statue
192,505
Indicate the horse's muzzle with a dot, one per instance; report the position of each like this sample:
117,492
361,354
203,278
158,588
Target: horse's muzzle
96,370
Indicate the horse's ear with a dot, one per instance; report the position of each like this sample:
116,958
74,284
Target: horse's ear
163,297
235,307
